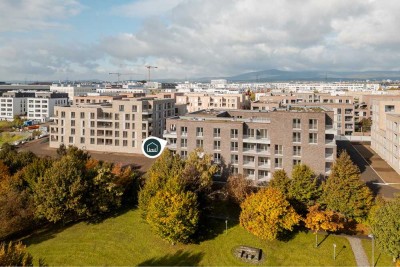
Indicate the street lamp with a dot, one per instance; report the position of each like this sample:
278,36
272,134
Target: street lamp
334,251
373,250
226,226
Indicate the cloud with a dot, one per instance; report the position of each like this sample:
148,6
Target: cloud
28,15
146,8
194,38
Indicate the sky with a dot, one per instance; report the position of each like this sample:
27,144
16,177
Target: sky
87,39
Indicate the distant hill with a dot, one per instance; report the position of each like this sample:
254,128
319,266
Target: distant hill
280,75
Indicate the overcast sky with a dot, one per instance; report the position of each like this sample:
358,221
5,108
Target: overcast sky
72,39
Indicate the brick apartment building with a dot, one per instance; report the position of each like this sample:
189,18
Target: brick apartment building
120,126
256,143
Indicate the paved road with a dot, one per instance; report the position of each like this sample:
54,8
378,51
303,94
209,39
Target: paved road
368,174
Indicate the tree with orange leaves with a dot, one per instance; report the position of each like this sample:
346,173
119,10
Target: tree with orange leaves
318,219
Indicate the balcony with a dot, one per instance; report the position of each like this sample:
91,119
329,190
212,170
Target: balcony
248,163
147,111
330,142
104,118
329,156
256,139
329,129
171,146
262,165
250,150
169,134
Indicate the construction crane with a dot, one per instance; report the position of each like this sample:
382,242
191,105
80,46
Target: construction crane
120,74
149,68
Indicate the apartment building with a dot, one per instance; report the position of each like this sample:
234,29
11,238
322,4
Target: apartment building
13,103
200,101
72,89
120,126
41,106
385,130
256,143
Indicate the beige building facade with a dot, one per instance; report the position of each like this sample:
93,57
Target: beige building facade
120,126
256,144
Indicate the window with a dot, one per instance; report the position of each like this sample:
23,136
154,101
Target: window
234,146
278,150
184,131
125,134
92,141
82,115
134,108
217,132
263,133
73,123
183,154
133,143
217,158
116,134
73,115
183,142
71,139
313,138
92,124
199,143
296,137
278,162
125,143
92,115
263,174
234,159
127,117
121,107
72,131
389,108
116,116
296,124
297,151
116,142
199,131
62,114
313,124
234,133
217,145
82,140
296,161
133,135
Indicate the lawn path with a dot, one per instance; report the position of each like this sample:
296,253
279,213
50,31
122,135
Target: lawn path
358,250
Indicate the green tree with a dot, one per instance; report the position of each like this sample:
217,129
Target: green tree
365,125
303,188
61,193
14,254
17,122
174,215
344,192
166,167
326,220
198,172
385,228
267,213
281,181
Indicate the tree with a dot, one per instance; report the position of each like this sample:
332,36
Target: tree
166,167
267,213
14,254
17,122
174,215
344,192
198,172
303,188
385,228
61,193
365,125
238,188
281,181
318,219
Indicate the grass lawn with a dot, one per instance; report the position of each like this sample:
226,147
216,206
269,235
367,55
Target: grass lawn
127,240
381,259
10,137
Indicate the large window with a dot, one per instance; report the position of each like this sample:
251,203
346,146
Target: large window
278,150
234,159
297,137
234,133
313,124
297,151
217,158
234,146
278,163
217,145
313,138
217,132
199,131
296,124
183,142
183,131
199,143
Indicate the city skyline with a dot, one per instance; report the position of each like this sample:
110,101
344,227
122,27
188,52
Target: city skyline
59,40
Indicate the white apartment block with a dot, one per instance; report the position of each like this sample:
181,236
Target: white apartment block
71,90
13,104
41,107
120,126
196,102
385,130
